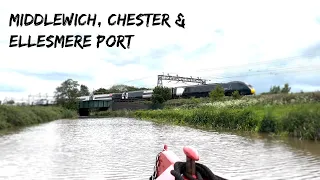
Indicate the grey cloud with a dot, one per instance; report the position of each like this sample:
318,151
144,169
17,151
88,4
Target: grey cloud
312,51
54,75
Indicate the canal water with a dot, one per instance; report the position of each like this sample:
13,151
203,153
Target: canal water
126,149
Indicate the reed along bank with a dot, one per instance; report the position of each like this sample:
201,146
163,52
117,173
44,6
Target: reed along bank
301,121
296,115
17,116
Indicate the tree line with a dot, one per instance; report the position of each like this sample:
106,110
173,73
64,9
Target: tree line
278,90
67,93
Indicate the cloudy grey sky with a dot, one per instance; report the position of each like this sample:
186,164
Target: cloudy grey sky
261,42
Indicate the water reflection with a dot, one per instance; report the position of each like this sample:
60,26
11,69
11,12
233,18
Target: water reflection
126,149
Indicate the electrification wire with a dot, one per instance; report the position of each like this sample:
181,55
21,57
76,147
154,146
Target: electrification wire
131,80
271,74
271,71
281,60
256,63
286,71
275,70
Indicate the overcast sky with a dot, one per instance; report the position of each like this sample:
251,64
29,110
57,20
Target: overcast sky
270,43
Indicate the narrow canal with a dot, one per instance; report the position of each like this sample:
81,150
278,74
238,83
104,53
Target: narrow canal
126,149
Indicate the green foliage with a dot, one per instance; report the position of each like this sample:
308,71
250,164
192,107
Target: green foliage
118,89
276,89
264,93
286,89
160,95
15,116
66,94
10,102
101,91
84,90
301,121
236,95
316,96
217,94
195,100
245,101
268,123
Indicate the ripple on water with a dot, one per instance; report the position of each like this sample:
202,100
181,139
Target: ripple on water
126,149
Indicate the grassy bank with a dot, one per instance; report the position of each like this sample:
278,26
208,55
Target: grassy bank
295,115
298,120
16,116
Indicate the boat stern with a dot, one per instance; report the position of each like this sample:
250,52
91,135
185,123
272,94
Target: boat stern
166,159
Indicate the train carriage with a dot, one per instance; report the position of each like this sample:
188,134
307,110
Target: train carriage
103,97
184,92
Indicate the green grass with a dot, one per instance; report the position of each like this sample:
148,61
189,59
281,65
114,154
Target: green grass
17,116
298,120
295,114
268,99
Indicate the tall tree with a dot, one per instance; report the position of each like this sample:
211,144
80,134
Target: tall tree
118,89
101,91
160,95
286,88
10,102
275,90
66,94
84,90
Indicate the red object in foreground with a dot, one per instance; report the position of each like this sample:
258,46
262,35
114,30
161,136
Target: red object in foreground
165,147
191,153
168,158
166,161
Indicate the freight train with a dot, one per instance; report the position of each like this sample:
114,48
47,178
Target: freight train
196,91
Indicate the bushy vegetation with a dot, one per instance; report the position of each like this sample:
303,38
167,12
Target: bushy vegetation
277,89
277,111
15,116
217,94
236,101
159,96
120,88
236,95
66,94
301,121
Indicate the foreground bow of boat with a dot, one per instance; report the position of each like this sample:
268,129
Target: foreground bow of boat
169,167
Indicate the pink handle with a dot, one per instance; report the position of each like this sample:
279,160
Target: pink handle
191,153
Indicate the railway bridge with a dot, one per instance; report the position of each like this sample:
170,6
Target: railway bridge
85,107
